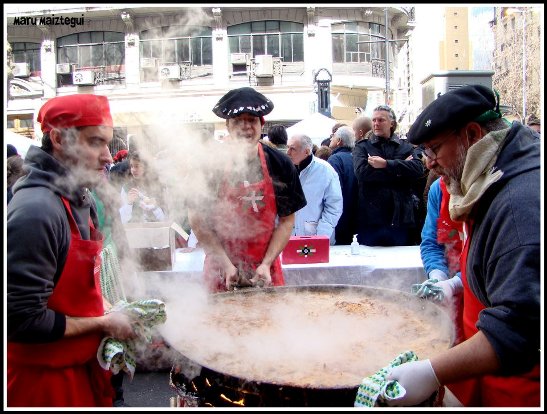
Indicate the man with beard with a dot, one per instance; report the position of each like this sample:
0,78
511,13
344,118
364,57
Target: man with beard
55,314
492,172
248,225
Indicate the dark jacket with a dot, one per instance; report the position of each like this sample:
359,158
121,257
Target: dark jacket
341,160
503,265
386,197
38,237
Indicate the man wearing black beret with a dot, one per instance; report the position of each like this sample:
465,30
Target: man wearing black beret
492,171
249,224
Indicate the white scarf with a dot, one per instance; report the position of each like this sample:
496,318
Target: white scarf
478,174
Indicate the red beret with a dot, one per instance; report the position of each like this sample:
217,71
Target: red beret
120,155
75,111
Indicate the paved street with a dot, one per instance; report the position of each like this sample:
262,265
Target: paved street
148,389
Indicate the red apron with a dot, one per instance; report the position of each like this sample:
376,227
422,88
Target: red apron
244,221
490,390
65,373
448,232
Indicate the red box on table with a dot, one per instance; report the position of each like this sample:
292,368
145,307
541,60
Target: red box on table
306,249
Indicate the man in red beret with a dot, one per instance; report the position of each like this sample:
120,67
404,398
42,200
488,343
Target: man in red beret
55,315
248,226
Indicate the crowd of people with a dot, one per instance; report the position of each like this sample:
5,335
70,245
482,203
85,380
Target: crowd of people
464,184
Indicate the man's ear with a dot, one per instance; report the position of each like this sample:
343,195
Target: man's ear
56,139
474,132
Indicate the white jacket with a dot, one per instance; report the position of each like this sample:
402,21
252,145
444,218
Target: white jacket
321,186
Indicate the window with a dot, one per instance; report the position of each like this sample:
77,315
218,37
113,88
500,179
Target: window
178,44
93,49
29,53
456,41
455,27
348,42
268,37
456,55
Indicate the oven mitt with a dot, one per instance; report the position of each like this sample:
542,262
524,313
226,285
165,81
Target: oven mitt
442,291
116,355
428,290
376,389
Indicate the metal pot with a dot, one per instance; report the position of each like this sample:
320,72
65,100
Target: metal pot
211,373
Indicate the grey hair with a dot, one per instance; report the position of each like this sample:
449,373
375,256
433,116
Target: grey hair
305,141
495,124
346,135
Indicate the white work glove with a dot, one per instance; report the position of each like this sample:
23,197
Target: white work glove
437,274
451,289
443,291
417,378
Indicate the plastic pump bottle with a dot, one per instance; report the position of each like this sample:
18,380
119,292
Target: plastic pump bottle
355,245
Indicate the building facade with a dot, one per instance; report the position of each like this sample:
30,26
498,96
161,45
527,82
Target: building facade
170,65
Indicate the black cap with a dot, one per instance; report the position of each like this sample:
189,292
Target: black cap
11,151
453,109
243,100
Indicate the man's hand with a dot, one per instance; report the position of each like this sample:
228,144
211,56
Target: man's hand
437,274
377,162
443,291
118,325
417,378
230,276
262,276
451,289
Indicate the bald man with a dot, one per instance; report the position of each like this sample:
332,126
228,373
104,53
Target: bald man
361,126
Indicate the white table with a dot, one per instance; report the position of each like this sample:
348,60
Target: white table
387,267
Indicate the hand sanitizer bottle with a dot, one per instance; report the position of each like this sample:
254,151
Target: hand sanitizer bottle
355,245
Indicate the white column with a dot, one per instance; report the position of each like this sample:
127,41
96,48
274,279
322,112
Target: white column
48,68
221,57
132,59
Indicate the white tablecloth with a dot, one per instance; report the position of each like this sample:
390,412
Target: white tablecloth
386,267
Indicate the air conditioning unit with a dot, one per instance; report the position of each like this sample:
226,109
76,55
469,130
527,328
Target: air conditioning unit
238,58
21,70
171,72
83,77
64,68
149,63
263,66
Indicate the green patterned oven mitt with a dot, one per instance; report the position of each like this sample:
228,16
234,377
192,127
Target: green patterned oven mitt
428,290
375,390
117,355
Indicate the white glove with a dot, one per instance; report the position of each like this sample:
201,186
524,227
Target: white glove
443,291
451,289
417,378
437,274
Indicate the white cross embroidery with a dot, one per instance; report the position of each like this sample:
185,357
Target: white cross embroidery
305,250
428,123
253,198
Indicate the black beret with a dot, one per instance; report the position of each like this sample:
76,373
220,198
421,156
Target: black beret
243,100
11,151
451,110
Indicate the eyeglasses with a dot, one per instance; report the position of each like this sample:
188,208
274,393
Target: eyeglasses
431,152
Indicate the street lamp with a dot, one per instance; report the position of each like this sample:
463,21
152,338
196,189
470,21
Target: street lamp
523,14
386,42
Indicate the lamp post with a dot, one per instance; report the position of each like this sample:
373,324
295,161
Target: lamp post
386,42
323,79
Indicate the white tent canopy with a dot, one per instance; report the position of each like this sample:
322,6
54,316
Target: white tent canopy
20,142
316,126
